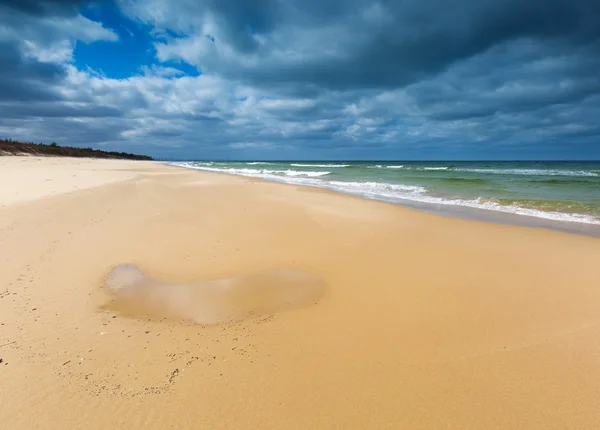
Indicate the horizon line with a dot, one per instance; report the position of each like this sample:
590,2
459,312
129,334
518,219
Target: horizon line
217,160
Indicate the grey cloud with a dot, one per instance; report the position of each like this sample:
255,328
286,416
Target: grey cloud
65,130
513,84
45,7
26,79
26,68
58,110
364,44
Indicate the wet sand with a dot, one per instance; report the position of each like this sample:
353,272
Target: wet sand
423,321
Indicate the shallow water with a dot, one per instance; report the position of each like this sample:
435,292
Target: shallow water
210,302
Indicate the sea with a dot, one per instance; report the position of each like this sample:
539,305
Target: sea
562,195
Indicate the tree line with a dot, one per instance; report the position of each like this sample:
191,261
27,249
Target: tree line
14,147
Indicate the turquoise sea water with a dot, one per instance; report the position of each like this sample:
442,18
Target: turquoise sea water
561,191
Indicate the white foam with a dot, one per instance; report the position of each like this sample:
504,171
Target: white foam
377,187
528,172
435,168
301,173
395,193
259,173
319,165
381,166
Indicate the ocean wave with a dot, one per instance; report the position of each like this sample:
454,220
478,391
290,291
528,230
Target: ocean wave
255,163
377,186
300,173
403,167
395,193
492,171
519,210
530,172
382,166
589,181
253,172
462,180
320,165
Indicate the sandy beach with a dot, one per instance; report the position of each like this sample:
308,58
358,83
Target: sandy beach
420,322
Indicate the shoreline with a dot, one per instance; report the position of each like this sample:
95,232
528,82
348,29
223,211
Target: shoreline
423,320
448,210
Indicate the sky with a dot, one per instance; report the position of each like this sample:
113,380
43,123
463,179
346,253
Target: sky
305,79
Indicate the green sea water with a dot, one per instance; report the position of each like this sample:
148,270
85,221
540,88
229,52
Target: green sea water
562,191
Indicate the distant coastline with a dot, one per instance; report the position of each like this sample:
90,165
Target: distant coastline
12,147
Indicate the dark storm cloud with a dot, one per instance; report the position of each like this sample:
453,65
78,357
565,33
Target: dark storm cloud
58,110
86,133
66,130
393,58
45,7
26,79
379,44
510,82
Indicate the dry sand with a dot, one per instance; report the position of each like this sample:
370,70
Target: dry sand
30,178
425,321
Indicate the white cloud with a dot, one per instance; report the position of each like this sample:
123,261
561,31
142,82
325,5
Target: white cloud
165,72
52,39
81,28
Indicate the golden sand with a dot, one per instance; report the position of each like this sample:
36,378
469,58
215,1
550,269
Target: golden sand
421,321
